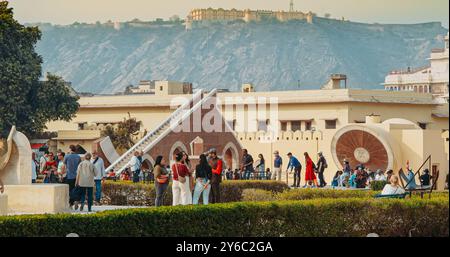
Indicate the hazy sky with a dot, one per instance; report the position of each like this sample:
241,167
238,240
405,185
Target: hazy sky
382,11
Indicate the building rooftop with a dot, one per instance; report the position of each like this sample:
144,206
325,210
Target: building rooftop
284,97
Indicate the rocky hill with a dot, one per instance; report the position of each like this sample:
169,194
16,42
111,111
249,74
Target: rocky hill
271,55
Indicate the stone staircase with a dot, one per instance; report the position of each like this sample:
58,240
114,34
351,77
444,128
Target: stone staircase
153,137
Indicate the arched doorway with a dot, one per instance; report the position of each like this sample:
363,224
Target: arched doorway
230,156
147,162
176,148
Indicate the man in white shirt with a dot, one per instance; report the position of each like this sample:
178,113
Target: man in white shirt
380,176
135,165
100,167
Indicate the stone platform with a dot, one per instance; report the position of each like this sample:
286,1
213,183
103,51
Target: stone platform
37,198
3,204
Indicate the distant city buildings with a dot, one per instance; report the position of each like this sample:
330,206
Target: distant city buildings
433,78
162,87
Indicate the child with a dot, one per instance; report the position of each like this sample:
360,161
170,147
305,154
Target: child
268,174
336,178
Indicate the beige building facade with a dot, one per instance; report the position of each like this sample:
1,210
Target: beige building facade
408,125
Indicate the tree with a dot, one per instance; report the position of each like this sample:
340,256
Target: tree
174,18
24,100
122,136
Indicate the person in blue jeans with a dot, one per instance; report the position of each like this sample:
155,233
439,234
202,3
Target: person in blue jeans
85,181
71,160
261,167
295,165
247,164
203,175
161,180
100,167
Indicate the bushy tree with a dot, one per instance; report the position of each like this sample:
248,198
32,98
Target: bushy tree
122,135
24,100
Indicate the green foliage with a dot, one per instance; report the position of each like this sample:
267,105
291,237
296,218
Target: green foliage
256,195
139,194
306,194
122,136
377,185
24,100
320,217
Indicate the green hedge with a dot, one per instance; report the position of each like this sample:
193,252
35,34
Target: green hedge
320,217
377,185
139,194
311,193
306,194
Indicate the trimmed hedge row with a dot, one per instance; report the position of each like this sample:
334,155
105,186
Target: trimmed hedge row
320,217
139,194
306,194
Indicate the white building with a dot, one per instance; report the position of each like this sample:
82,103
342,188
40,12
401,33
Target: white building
433,78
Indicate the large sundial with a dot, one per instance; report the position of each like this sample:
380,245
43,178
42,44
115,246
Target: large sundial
361,146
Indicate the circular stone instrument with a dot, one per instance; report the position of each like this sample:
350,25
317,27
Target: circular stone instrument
361,144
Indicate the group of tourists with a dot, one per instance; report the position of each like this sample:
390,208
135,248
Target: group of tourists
189,183
362,177
294,166
82,174
251,169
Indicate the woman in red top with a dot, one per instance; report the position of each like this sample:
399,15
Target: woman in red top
310,177
181,190
50,169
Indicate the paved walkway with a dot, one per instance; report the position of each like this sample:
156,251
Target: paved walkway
104,208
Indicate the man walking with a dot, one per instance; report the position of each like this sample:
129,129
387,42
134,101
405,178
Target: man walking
247,164
135,165
216,165
295,165
277,166
71,160
100,167
321,166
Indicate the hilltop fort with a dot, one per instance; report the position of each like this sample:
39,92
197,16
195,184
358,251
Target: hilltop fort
247,15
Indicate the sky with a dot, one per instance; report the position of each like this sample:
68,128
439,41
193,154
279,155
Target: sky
370,11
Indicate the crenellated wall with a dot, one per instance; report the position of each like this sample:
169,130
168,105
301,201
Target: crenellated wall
296,142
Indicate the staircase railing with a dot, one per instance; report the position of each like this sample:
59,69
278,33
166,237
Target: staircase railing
185,115
154,131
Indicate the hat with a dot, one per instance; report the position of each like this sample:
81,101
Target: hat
319,153
212,150
276,152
